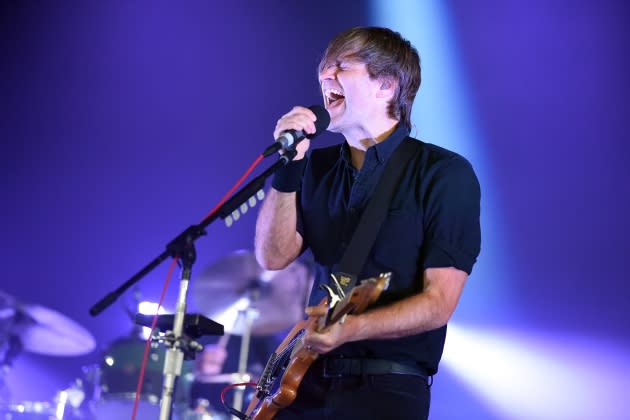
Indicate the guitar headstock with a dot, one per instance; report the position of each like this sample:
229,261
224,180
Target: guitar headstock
360,297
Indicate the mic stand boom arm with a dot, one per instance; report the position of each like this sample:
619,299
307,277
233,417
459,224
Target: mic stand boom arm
195,231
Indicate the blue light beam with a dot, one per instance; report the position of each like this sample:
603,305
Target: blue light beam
445,116
543,376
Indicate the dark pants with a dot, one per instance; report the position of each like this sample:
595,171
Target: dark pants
388,396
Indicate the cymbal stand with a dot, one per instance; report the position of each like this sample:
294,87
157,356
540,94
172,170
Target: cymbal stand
250,313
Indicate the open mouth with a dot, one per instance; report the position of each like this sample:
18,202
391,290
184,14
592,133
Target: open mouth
333,97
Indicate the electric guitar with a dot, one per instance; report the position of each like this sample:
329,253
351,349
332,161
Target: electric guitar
278,384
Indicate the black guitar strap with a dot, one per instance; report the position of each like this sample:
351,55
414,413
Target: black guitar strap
374,215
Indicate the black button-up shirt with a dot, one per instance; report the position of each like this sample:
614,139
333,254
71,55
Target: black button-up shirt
432,221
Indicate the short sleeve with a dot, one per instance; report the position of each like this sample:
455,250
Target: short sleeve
452,232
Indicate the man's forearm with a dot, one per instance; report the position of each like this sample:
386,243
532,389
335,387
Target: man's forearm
277,241
422,312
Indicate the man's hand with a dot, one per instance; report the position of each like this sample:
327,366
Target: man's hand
299,118
331,337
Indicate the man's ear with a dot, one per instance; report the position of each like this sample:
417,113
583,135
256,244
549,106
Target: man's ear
387,89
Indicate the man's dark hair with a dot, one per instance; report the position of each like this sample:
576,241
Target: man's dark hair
386,54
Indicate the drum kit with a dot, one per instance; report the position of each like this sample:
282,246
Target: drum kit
234,291
39,330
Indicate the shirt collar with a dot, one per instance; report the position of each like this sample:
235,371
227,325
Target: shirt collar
383,149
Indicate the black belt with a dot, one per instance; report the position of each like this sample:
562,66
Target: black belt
340,367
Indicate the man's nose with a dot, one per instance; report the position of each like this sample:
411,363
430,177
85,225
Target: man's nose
328,73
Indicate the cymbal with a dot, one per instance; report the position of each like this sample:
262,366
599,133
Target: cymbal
45,331
54,334
236,285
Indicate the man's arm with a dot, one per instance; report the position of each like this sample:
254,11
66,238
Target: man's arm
425,311
277,241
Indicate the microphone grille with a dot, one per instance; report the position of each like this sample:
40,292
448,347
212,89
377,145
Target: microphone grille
322,121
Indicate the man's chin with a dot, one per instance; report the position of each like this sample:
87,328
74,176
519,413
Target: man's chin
333,128
335,123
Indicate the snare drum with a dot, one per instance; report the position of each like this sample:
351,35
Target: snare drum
118,378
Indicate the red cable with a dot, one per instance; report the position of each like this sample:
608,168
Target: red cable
147,346
231,409
231,191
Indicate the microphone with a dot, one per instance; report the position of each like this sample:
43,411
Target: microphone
288,139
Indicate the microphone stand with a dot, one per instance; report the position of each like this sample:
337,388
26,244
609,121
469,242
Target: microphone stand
183,248
175,354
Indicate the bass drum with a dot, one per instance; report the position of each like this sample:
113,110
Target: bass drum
117,378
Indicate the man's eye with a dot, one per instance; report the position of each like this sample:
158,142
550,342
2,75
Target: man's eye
344,65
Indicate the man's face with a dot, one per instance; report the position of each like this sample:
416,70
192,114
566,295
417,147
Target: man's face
349,94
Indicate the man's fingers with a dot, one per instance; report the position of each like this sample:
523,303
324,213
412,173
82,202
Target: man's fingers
316,311
299,118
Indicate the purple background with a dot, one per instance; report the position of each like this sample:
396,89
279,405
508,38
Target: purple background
124,122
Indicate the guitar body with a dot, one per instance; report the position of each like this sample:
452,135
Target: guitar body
292,359
301,359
